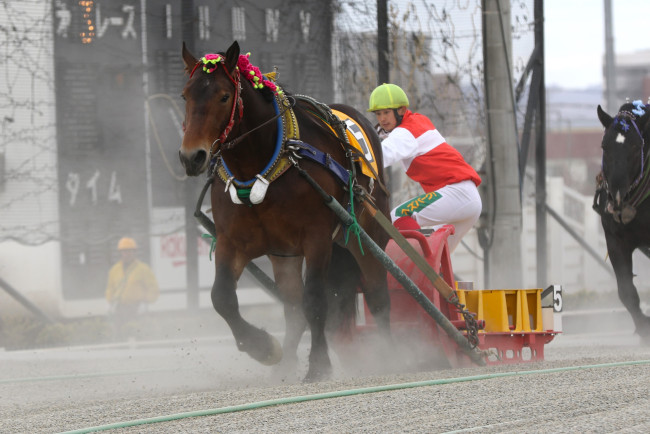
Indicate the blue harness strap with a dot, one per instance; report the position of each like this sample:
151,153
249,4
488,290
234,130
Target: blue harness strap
305,150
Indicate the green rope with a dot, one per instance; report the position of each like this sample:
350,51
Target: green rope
348,392
213,243
244,193
354,226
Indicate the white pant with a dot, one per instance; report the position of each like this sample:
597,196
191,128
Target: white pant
459,205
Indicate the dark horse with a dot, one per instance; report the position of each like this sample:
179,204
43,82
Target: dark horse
620,198
235,125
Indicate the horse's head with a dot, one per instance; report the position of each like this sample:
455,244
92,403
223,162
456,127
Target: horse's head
623,150
212,96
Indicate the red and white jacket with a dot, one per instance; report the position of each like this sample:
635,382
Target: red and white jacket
425,155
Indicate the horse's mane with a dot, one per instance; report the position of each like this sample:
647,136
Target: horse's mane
267,94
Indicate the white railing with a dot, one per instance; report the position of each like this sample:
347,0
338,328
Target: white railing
568,263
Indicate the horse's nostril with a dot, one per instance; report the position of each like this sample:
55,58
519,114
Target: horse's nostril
200,157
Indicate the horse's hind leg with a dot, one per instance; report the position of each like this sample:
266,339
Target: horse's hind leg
287,272
259,344
374,287
344,279
622,262
315,308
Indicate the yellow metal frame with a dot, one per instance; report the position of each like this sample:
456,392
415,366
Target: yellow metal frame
505,310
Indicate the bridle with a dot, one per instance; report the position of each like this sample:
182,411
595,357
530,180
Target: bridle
235,79
620,121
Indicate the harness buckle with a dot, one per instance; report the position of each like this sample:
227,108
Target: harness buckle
293,158
228,182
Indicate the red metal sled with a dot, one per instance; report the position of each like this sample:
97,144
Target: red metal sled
510,320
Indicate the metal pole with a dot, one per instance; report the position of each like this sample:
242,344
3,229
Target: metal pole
540,152
504,203
473,353
383,74
262,278
610,62
28,304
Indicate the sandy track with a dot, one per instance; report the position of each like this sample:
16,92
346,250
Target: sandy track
65,389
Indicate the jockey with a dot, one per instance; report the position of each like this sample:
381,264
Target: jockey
450,184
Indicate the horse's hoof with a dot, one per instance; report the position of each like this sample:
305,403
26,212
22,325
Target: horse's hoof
644,335
316,375
263,347
274,355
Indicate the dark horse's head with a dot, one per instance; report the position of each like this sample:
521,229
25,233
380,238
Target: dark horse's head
623,152
212,102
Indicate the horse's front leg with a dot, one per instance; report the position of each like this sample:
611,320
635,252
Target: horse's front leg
259,344
621,257
287,272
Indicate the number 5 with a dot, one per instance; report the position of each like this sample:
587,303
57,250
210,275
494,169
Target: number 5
557,298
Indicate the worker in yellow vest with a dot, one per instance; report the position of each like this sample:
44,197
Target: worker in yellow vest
131,284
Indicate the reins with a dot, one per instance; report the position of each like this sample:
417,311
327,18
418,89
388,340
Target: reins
351,152
231,144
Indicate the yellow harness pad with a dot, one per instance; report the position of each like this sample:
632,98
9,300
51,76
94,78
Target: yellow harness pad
358,139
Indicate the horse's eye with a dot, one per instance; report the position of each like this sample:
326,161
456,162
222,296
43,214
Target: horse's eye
225,97
183,97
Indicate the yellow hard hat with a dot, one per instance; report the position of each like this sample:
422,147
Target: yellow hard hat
387,96
126,244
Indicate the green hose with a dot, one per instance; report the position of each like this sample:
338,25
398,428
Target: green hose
342,393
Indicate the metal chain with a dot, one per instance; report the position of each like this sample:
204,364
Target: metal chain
470,323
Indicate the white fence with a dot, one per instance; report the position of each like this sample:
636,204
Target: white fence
568,263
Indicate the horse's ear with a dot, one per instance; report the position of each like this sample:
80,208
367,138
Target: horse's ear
232,57
604,118
188,59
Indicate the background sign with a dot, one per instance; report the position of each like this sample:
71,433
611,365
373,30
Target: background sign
101,141
119,75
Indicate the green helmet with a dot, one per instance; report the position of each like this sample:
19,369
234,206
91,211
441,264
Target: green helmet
387,96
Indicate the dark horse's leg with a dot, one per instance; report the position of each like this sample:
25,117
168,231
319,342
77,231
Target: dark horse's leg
374,286
260,345
287,272
621,256
315,308
344,278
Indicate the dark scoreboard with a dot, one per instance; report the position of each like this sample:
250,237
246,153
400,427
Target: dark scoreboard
119,74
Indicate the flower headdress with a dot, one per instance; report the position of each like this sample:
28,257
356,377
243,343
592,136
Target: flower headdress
251,72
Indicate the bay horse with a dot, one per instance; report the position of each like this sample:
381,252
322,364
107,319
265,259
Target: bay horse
236,126
623,187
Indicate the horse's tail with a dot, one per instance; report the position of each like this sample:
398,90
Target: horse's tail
344,277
